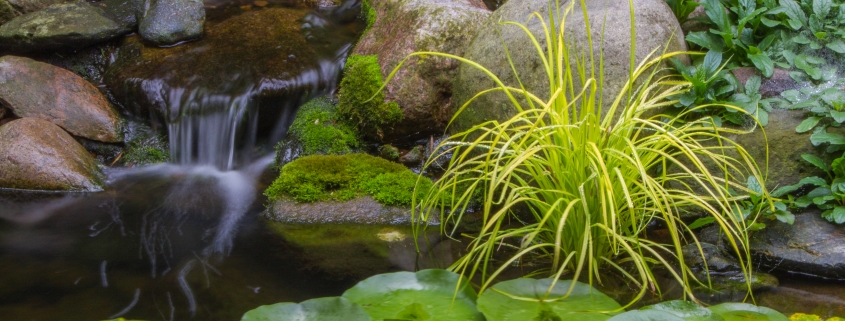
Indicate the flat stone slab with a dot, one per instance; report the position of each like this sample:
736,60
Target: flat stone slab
811,246
34,89
362,210
73,25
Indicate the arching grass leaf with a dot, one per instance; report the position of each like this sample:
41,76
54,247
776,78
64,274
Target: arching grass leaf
746,312
322,309
527,299
425,295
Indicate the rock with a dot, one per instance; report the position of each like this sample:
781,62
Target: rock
38,90
124,12
362,210
769,87
413,156
6,12
27,6
724,273
63,25
3,111
423,87
811,246
39,155
168,22
256,55
656,27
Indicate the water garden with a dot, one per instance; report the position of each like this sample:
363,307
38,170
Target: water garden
422,160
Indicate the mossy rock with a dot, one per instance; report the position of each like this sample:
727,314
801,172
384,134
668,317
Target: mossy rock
317,129
344,177
361,103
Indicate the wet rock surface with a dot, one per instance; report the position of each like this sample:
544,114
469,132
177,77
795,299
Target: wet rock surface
37,154
256,55
811,246
168,22
73,25
362,210
724,271
656,27
423,87
38,90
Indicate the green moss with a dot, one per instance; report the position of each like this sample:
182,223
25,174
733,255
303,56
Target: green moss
317,129
149,150
361,82
368,14
389,152
343,177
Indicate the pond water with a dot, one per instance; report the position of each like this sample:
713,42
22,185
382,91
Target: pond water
187,241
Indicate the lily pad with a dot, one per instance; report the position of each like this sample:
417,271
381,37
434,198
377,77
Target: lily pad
322,309
746,312
526,299
685,310
646,315
427,295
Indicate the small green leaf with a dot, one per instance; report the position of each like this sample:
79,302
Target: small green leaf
702,221
785,216
706,40
711,63
837,46
791,95
822,7
807,124
821,137
813,180
753,184
321,309
838,116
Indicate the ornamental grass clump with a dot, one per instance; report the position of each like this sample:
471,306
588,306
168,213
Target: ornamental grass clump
591,184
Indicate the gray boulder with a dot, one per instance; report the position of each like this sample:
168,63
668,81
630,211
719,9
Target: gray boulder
811,246
72,25
656,26
35,89
10,9
39,155
423,87
168,22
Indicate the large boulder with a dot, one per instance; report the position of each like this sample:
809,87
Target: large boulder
38,155
73,25
811,246
13,8
168,22
656,28
423,87
256,55
7,12
38,90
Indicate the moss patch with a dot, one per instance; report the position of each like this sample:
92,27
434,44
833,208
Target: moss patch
149,150
368,14
362,81
344,177
317,129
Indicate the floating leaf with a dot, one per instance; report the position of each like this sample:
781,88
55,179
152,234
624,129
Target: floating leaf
746,312
646,315
684,310
583,303
427,293
322,309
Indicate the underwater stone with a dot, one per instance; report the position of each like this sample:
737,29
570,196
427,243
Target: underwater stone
361,210
38,155
39,90
168,22
423,86
72,25
810,246
656,26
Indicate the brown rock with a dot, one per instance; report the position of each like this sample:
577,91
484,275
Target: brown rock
769,87
36,154
34,89
422,87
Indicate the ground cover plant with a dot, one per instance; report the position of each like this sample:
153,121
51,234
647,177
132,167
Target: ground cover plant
591,184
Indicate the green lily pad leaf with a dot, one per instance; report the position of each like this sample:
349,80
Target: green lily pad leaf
646,315
321,309
500,303
684,310
425,295
746,312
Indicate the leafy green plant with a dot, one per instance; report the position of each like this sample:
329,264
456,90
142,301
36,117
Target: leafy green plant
439,295
586,180
682,8
734,31
828,194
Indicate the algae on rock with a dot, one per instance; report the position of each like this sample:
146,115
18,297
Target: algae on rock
317,129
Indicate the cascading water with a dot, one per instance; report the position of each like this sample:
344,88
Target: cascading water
156,242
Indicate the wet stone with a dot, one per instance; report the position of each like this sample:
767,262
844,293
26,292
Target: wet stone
168,22
38,155
237,60
811,246
72,25
38,90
